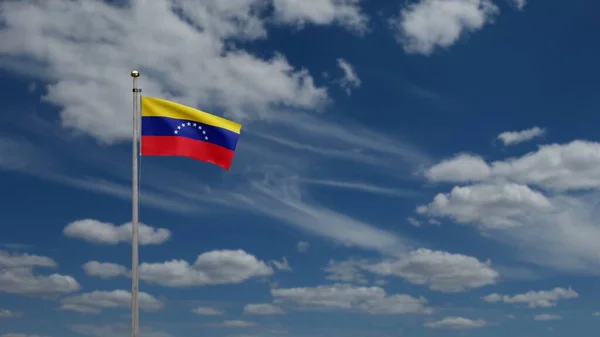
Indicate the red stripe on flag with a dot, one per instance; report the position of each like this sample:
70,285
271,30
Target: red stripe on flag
187,147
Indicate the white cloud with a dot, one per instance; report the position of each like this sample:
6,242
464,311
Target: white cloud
564,239
441,271
519,4
206,311
95,301
106,233
429,24
350,80
535,299
414,221
283,200
237,324
263,309
373,300
516,137
363,187
210,268
555,228
345,271
461,168
8,260
232,78
18,277
547,317
104,270
488,205
322,12
557,167
457,323
597,313
302,246
6,313
283,265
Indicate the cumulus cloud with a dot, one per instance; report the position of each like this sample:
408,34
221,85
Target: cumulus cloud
17,276
210,268
106,233
346,13
96,301
104,270
263,309
207,311
373,300
547,317
232,79
543,204
441,271
488,205
348,271
429,24
535,299
557,167
516,137
457,323
461,168
8,260
560,167
350,79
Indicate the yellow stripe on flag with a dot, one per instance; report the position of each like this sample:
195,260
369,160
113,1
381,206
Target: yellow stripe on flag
158,107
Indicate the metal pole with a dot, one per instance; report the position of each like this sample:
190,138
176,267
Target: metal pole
135,211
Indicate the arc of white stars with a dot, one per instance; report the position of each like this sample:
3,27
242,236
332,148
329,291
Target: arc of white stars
183,125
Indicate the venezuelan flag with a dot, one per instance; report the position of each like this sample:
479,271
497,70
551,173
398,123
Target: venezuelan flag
173,129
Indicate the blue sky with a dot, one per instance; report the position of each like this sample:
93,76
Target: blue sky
406,168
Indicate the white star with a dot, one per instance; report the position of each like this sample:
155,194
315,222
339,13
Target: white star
194,124
203,132
189,123
182,124
206,138
200,127
176,132
178,127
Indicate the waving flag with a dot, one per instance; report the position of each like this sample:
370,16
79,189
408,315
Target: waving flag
173,129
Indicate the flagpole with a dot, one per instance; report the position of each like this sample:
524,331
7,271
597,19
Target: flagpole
135,210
